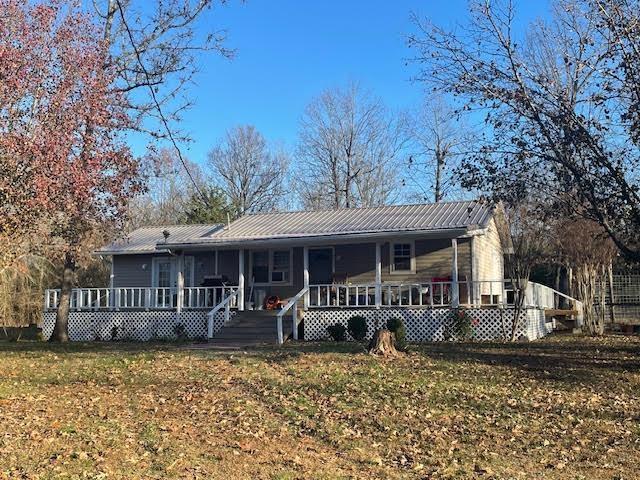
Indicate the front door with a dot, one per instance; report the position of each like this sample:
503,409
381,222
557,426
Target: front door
165,278
320,266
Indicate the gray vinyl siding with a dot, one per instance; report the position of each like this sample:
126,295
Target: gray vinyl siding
136,270
228,265
132,270
433,259
354,263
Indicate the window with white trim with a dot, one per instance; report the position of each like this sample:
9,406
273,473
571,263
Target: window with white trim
164,272
260,266
281,265
402,258
271,266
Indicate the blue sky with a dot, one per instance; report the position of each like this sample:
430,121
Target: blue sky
289,51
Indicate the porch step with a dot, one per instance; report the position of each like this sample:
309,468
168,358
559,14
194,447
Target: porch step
252,327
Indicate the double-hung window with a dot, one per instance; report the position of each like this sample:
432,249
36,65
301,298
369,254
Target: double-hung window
271,266
280,266
402,257
260,266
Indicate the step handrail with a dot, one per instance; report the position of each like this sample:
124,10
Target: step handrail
577,304
292,303
226,303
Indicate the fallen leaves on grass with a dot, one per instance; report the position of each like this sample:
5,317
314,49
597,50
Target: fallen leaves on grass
444,411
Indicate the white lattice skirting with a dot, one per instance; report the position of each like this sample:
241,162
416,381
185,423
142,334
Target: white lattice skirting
428,325
139,326
422,324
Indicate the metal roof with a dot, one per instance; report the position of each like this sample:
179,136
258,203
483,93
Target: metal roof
442,216
150,239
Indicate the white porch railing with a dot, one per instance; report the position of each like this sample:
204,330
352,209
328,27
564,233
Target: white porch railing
424,294
148,298
490,293
292,304
226,303
208,297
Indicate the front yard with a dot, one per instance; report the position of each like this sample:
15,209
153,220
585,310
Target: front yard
565,407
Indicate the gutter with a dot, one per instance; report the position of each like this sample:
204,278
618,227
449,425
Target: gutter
130,252
327,239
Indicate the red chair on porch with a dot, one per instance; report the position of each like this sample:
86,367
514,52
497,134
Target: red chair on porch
441,290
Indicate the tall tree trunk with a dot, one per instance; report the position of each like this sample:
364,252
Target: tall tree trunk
61,329
108,24
440,157
570,282
585,282
518,303
347,185
612,301
556,286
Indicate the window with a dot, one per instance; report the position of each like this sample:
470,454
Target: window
188,271
164,273
260,267
281,264
271,266
402,260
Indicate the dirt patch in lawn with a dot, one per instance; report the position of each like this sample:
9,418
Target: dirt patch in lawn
565,407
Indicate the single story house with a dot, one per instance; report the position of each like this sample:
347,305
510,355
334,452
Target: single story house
280,253
327,263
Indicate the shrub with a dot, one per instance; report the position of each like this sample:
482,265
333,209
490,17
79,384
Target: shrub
458,325
357,327
115,333
337,332
396,325
180,331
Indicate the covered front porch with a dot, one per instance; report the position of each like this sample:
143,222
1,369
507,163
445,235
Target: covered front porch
426,271
415,271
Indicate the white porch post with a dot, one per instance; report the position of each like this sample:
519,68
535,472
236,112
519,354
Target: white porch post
110,297
305,275
378,275
180,283
455,290
241,280
474,293
294,317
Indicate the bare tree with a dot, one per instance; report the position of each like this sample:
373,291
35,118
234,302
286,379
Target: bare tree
153,51
169,190
438,138
561,104
524,238
249,172
348,150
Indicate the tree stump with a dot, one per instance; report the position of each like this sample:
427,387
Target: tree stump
382,344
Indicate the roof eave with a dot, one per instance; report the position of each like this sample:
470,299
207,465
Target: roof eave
332,238
130,252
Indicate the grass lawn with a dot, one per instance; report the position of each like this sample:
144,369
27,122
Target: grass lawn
562,408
